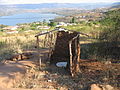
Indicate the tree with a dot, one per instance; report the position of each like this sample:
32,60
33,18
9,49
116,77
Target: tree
73,20
2,26
52,23
111,24
33,28
44,22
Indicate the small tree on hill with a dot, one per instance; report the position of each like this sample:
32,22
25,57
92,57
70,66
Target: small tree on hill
52,23
44,22
73,20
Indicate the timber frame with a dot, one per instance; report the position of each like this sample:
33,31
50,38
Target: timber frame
73,48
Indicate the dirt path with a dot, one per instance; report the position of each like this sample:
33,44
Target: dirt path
24,89
13,71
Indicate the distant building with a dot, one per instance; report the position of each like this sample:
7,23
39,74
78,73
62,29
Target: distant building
28,31
70,24
43,27
44,31
11,29
61,24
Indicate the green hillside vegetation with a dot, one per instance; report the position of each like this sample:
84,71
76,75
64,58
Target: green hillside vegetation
107,29
105,34
108,36
111,26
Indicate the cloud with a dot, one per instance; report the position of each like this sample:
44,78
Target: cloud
51,1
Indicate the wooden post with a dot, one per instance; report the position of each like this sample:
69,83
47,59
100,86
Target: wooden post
45,40
71,65
74,59
39,56
37,42
50,45
78,54
54,39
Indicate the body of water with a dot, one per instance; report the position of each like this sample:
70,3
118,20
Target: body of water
32,17
25,18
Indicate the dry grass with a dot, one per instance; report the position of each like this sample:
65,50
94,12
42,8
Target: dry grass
16,43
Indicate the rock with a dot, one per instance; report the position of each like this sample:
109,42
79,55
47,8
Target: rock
108,87
107,62
101,87
95,87
21,56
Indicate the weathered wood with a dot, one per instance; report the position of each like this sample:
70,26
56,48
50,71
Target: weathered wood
74,60
71,66
78,55
37,42
77,60
48,40
44,42
40,61
75,57
63,46
46,32
57,29
39,56
50,45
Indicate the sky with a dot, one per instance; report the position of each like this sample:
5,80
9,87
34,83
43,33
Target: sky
52,1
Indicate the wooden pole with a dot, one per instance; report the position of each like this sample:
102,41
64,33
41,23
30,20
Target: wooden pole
44,42
74,60
37,42
71,65
50,46
78,55
39,56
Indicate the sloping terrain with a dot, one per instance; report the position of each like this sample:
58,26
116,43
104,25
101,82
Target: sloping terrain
26,75
12,71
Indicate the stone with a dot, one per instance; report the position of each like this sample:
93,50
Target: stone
95,87
101,87
108,87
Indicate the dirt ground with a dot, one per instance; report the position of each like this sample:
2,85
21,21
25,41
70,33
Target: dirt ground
26,75
12,71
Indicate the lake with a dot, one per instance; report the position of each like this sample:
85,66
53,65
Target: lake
26,18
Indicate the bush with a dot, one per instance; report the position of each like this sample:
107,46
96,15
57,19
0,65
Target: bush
111,26
16,43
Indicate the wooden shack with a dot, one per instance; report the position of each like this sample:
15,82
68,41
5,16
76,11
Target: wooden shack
66,48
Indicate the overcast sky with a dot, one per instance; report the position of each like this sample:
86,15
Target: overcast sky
52,1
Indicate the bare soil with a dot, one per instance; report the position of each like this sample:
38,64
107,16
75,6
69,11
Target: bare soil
26,75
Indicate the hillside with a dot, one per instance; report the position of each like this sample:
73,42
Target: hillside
8,10
86,15
64,5
58,8
116,5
